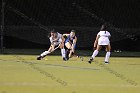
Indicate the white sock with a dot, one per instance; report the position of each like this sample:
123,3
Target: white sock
107,56
63,52
95,54
45,53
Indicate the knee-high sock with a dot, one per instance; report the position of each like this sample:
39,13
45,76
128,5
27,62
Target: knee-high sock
67,53
107,56
95,53
45,53
63,52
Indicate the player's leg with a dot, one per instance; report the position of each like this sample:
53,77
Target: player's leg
63,52
42,55
68,46
72,52
49,50
95,53
108,48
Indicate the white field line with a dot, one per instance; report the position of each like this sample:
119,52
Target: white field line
69,85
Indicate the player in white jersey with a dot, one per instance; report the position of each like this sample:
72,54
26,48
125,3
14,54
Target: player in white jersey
102,39
56,39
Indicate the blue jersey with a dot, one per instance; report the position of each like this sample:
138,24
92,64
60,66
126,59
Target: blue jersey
70,39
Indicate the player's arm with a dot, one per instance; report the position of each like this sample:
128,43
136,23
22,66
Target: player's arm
66,34
109,36
74,44
51,40
62,40
52,45
96,41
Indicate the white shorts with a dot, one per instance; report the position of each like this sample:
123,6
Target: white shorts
103,41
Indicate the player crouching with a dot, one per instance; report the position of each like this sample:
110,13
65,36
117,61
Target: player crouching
57,41
70,43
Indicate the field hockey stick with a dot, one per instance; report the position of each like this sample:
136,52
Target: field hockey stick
55,48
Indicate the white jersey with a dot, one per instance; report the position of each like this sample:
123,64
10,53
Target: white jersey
56,40
104,38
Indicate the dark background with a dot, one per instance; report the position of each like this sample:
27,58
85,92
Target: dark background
27,22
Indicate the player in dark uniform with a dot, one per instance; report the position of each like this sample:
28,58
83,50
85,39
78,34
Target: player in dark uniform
70,43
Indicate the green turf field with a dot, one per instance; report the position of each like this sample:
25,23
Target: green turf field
25,74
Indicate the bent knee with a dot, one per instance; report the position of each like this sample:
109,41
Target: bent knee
68,45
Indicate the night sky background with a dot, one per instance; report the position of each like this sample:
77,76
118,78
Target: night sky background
122,14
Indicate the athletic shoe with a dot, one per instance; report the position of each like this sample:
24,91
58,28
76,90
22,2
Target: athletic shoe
65,59
39,58
106,62
90,60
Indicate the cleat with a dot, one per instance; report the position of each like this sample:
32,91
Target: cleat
39,58
90,60
106,62
65,59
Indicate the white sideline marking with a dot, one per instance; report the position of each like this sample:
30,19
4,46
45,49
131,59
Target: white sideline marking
71,85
